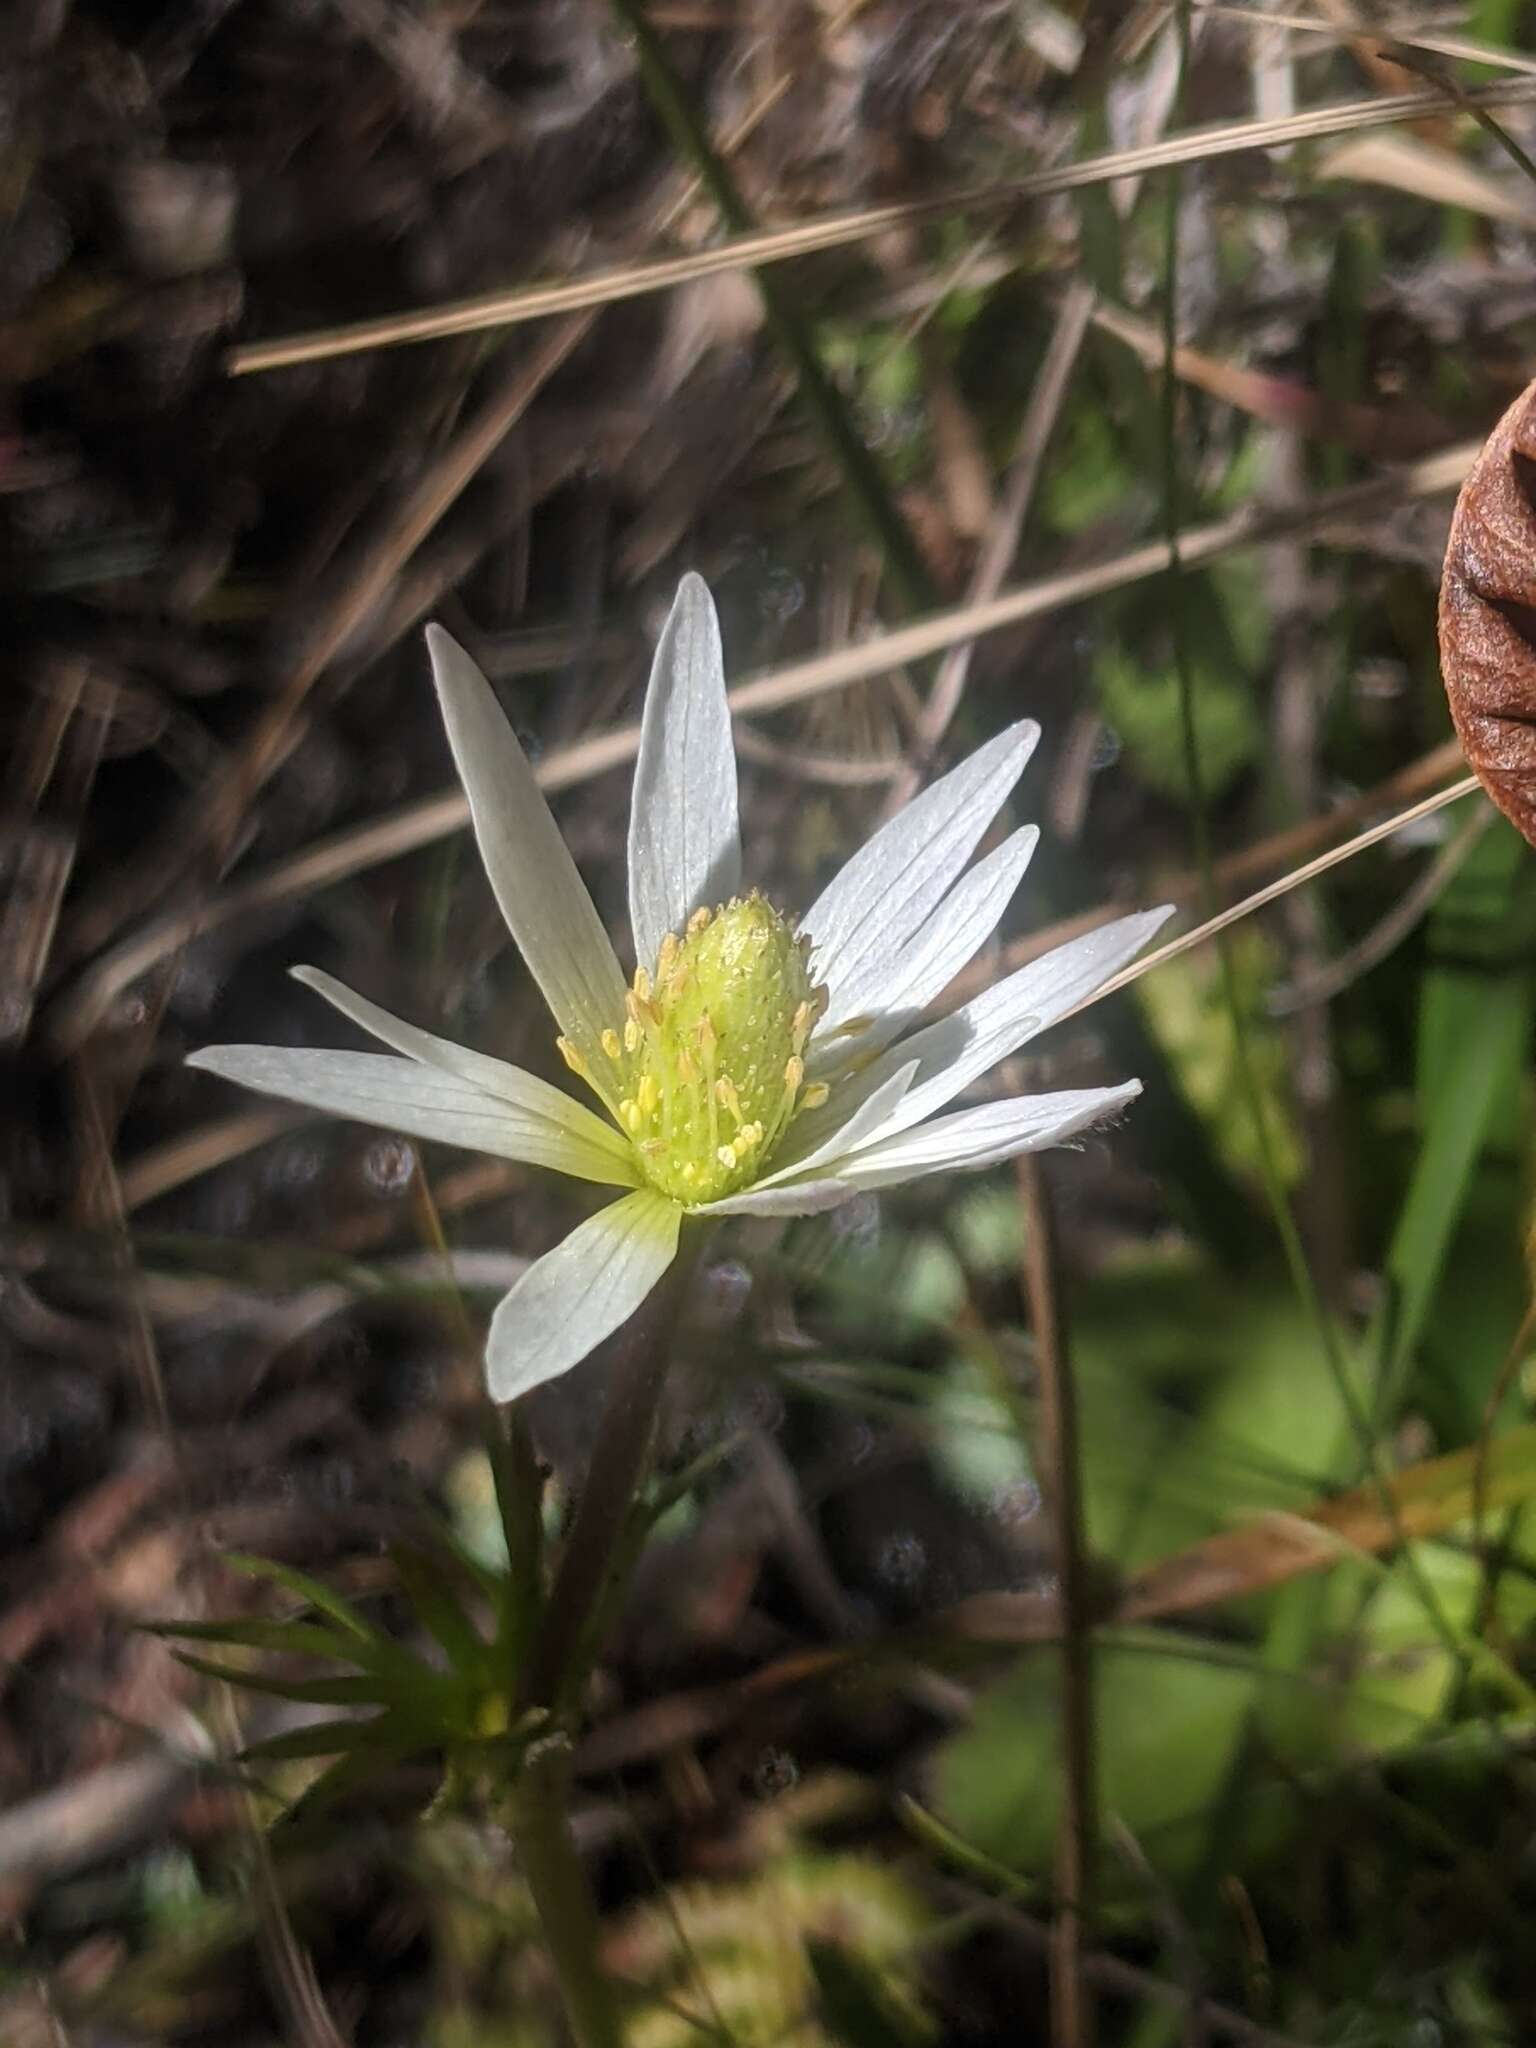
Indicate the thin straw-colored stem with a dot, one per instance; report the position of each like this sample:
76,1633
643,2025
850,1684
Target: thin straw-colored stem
842,230
1274,890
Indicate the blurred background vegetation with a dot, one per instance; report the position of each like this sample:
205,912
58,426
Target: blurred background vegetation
895,1742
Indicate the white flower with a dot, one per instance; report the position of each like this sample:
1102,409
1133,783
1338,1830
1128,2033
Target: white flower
749,1068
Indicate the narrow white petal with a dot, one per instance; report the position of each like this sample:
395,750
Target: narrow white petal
543,899
578,1294
863,1120
869,911
974,1138
894,996
421,1102
493,1077
684,840
955,1051
794,1198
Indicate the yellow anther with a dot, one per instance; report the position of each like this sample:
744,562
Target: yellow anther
698,921
611,1044
727,1156
800,1026
631,1035
686,1070
706,1034
747,1139
725,1094
571,1056
629,1111
666,958
642,984
794,1072
648,1094
815,1095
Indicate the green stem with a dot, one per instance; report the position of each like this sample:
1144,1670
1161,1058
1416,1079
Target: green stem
619,1461
566,1641
541,1832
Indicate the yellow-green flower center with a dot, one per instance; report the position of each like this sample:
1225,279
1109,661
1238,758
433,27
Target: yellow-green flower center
705,1071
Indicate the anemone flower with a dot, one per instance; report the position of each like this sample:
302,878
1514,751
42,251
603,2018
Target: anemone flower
752,1065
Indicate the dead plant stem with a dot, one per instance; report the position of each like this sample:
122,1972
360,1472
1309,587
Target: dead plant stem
1059,1462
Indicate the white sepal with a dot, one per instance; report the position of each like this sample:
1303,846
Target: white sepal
684,838
507,1083
579,1293
401,1095
895,997
974,1138
871,908
543,899
961,1047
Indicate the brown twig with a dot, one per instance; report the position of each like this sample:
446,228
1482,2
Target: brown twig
837,231
80,1007
1059,1464
210,826
1035,430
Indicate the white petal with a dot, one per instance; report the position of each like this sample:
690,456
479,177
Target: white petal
897,995
492,1077
401,1095
684,840
794,1198
953,1052
869,911
578,1294
861,1120
975,1138
543,899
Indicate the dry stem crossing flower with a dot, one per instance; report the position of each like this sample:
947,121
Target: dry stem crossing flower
751,1065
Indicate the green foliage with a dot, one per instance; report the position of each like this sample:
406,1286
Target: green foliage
1169,1716
818,1948
456,1700
1187,1008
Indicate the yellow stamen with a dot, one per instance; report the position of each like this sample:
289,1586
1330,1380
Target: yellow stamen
611,1044
629,1111
815,1095
631,1035
648,1094
642,984
697,922
571,1056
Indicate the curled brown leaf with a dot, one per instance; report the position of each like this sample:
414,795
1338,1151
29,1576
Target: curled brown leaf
1488,615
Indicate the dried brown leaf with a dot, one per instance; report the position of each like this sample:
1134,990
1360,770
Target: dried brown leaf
1488,615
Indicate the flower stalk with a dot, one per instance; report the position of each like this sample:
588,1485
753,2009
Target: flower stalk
538,1820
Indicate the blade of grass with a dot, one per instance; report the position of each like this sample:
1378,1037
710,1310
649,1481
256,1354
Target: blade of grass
862,474
835,231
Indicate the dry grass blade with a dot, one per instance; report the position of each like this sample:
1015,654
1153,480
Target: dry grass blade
81,1007
1045,403
214,821
1404,164
1286,883
1463,49
837,231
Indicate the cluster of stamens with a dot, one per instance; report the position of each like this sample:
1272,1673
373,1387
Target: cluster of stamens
707,1071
